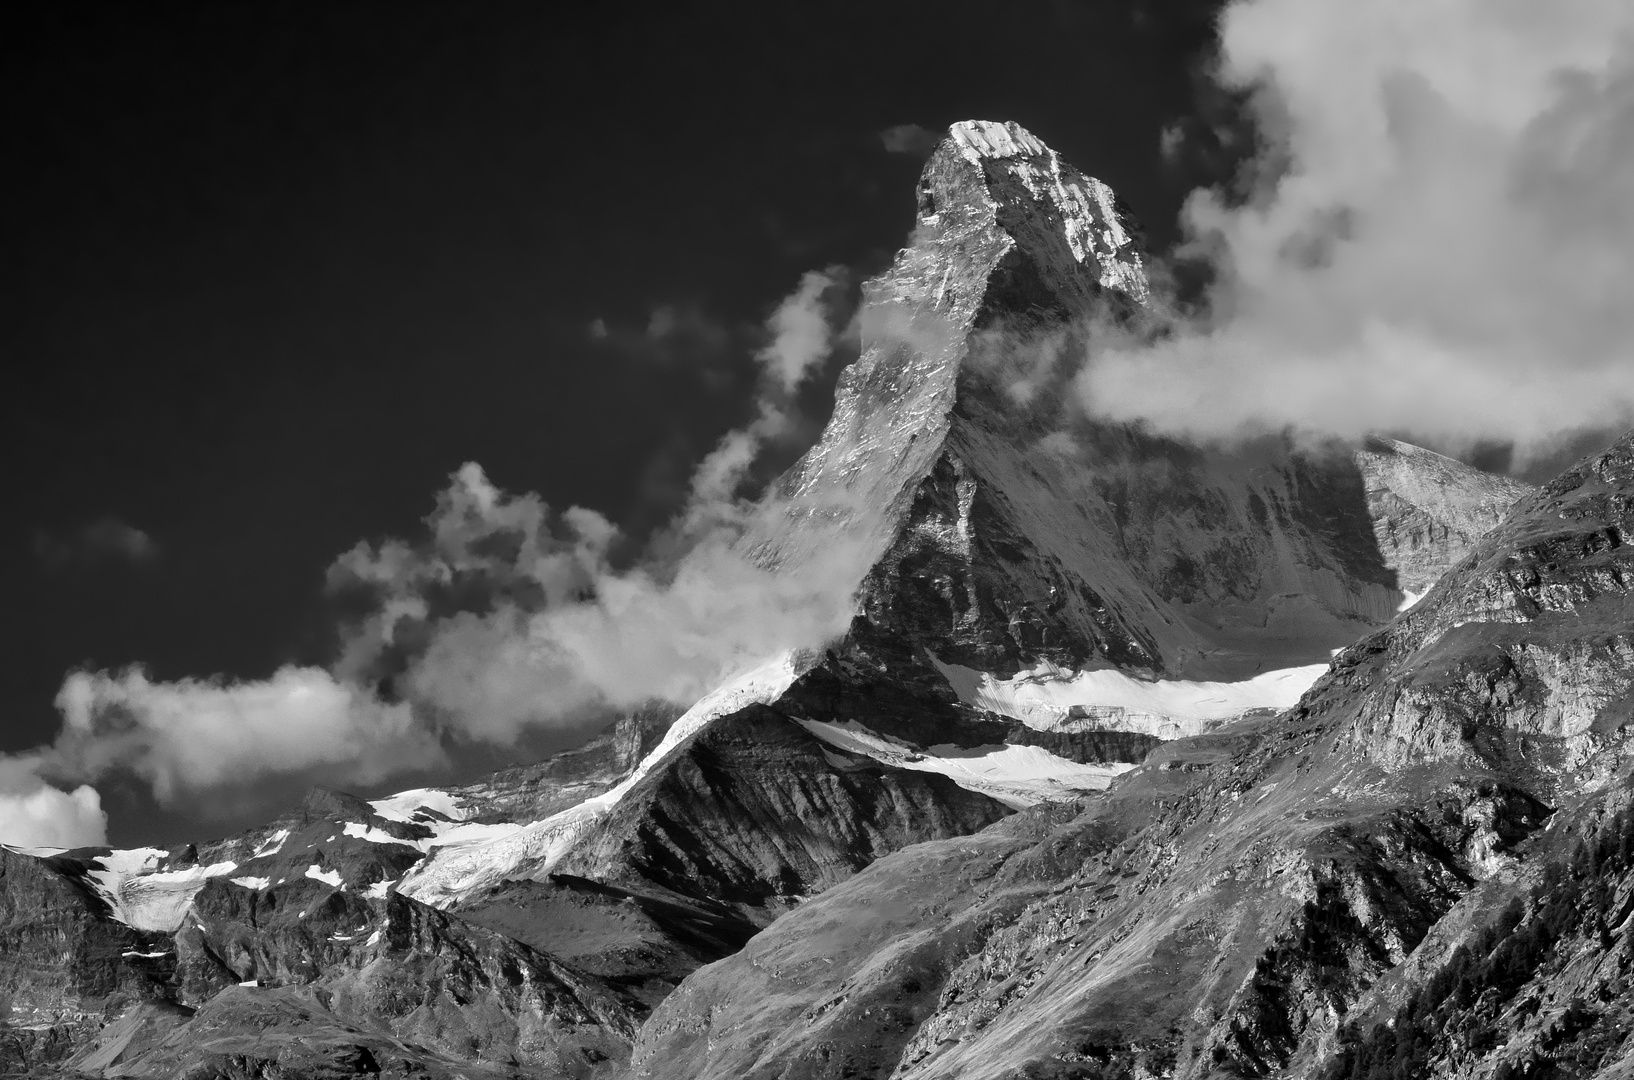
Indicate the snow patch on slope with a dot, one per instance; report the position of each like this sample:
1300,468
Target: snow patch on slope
272,845
454,870
375,835
328,877
1018,776
1089,216
988,138
147,899
1049,698
406,806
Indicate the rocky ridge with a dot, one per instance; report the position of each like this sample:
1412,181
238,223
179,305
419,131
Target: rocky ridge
1422,870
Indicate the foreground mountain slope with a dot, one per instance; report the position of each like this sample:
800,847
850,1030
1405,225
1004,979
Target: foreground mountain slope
1437,837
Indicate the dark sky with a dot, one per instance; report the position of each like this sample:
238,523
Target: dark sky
273,271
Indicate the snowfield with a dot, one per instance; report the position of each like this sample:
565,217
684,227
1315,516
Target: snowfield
145,899
456,870
328,877
1017,776
404,806
374,835
1049,698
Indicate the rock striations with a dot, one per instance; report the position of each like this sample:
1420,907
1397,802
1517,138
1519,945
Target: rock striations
1076,792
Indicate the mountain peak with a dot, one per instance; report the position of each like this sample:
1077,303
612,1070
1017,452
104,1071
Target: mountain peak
996,139
988,174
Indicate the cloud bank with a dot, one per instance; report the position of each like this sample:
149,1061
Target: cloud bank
913,140
193,735
104,541
505,615
33,813
513,616
1441,240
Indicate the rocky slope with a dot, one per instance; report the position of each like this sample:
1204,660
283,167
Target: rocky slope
1428,509
1423,870
1057,705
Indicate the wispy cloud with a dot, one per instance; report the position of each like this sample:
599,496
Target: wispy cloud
1440,241
105,540
506,615
192,735
34,813
909,139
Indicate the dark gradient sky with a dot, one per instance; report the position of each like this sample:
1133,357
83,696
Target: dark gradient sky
273,271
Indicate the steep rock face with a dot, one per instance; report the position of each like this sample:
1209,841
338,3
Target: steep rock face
413,986
1429,510
531,792
1010,532
1261,901
65,968
642,941
754,812
1528,976
1524,659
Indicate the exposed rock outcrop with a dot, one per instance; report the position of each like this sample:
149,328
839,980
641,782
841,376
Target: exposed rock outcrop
1429,510
66,969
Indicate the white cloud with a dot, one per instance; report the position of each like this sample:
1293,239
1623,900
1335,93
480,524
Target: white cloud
910,139
1450,250
192,735
803,331
105,540
36,814
545,627
505,615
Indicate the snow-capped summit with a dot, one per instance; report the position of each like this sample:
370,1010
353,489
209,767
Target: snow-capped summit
988,138
1058,198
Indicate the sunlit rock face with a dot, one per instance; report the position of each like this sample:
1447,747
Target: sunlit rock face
1004,528
1425,868
1523,654
1427,509
1428,862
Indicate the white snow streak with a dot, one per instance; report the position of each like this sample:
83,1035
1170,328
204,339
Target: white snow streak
328,877
1018,776
1048,698
403,806
458,869
375,835
144,899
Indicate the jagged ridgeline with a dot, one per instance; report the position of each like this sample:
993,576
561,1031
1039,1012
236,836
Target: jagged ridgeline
1055,802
